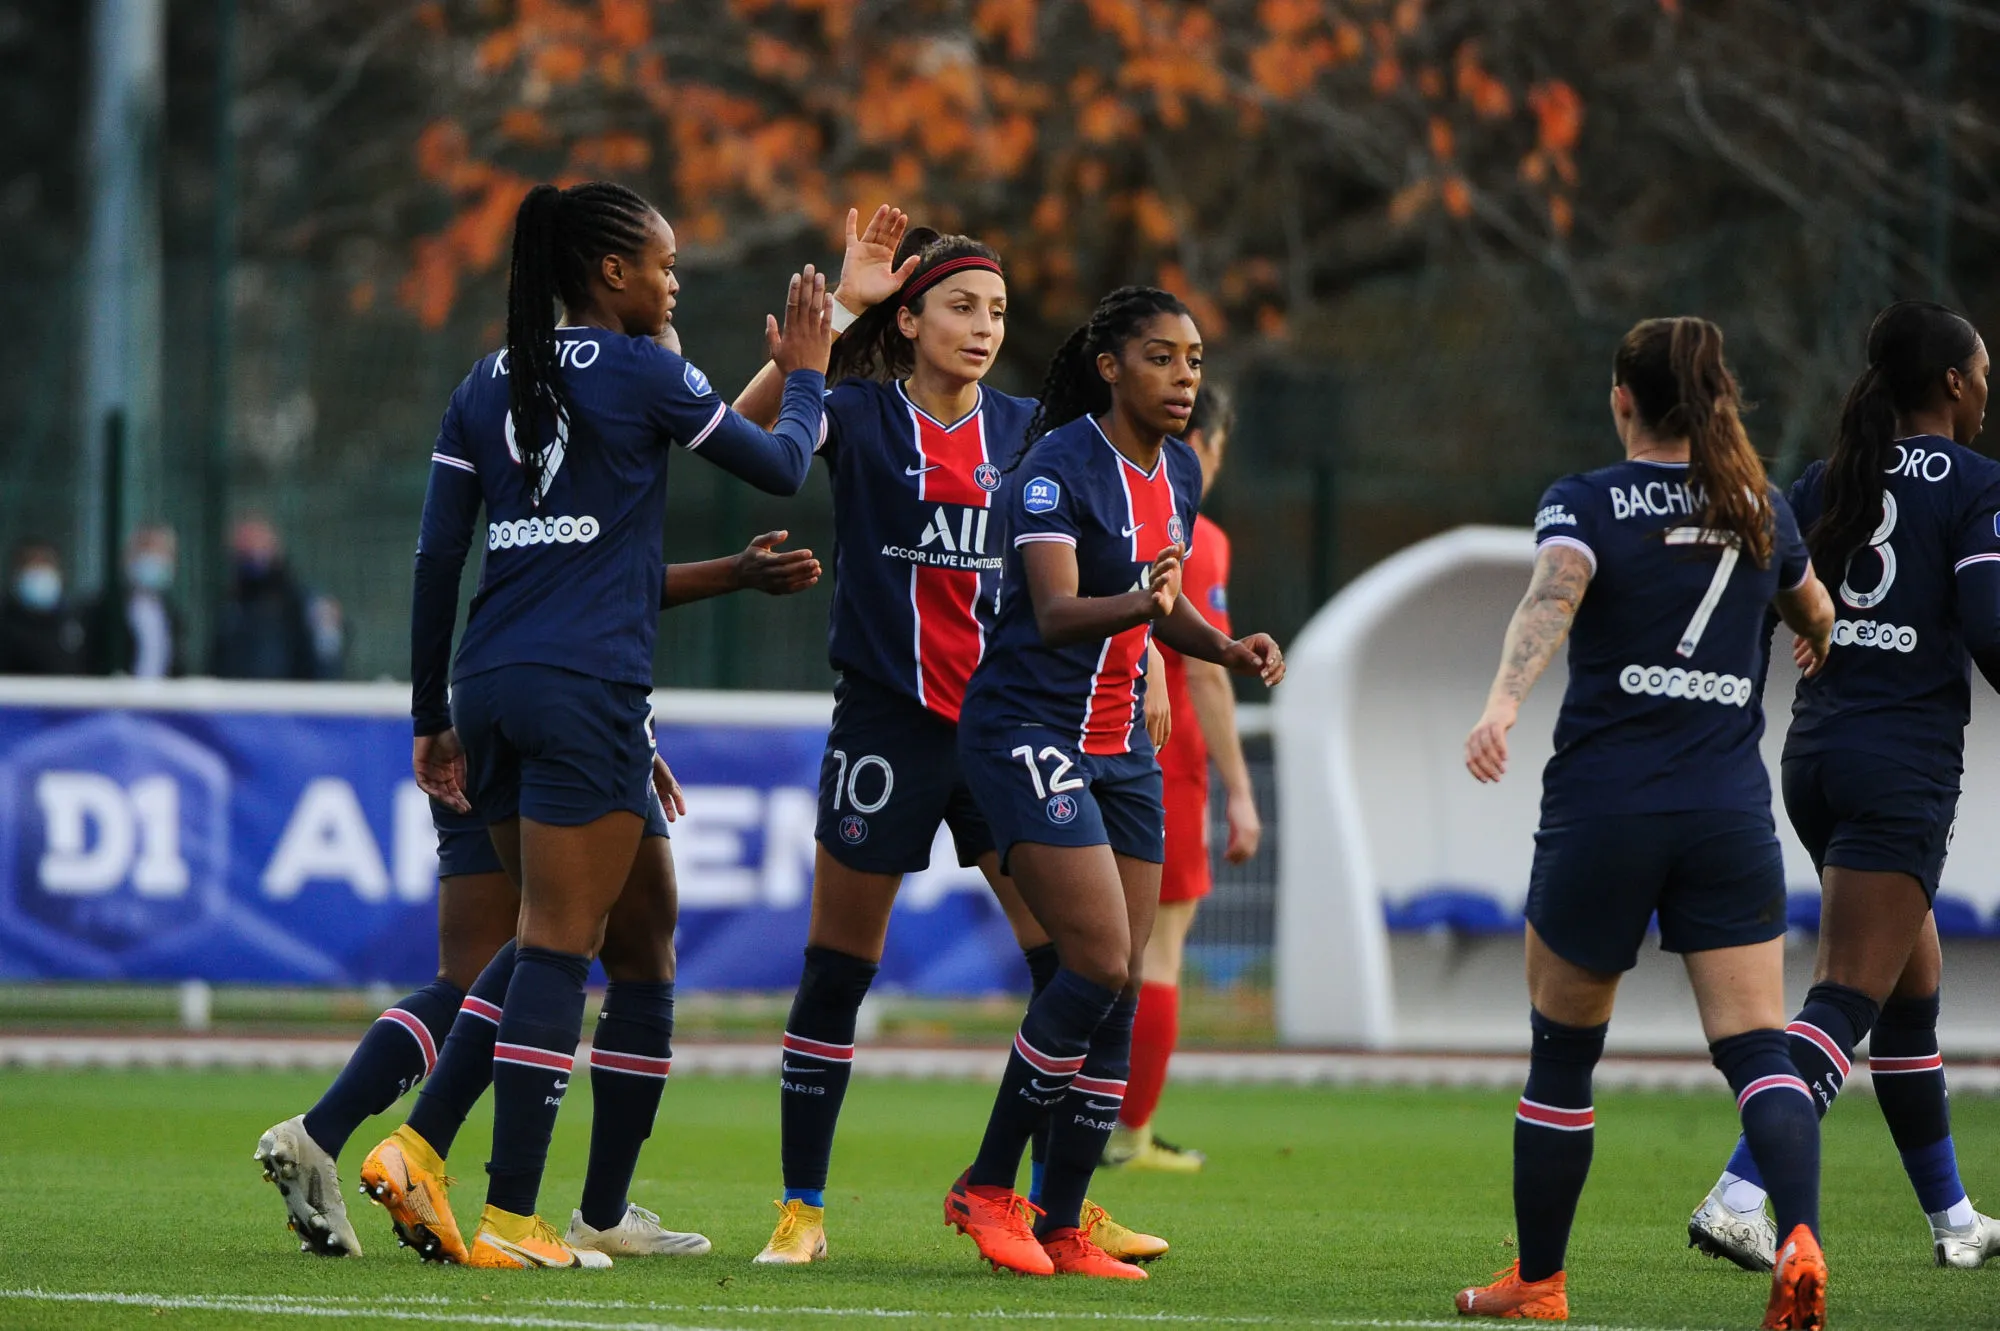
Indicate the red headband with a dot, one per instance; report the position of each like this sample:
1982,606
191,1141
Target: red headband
923,282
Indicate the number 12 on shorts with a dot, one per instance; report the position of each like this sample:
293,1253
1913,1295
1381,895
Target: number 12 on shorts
1059,775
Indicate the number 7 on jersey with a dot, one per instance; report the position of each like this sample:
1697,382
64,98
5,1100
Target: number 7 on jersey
1732,550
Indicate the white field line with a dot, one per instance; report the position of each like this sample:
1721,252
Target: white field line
1258,1067
435,1310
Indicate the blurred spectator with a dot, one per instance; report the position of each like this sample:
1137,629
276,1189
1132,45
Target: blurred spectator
146,642
329,633
265,629
39,633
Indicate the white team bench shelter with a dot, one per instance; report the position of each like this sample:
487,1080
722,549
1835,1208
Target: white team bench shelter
1378,817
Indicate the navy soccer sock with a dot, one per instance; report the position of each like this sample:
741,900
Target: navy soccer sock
1042,963
465,1065
817,1060
540,1024
1555,1128
1908,1072
398,1051
629,1059
1082,1121
1048,1052
1823,1036
1780,1121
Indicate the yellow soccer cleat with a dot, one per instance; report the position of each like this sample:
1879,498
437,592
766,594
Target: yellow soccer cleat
508,1242
800,1237
405,1177
1127,1245
1138,1148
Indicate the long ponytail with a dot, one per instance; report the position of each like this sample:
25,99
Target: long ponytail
1682,386
1910,347
560,235
1073,387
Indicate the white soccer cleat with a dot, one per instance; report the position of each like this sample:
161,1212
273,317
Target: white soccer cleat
639,1234
1967,1248
1747,1238
308,1180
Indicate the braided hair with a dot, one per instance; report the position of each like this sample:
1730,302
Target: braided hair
873,347
1073,387
560,238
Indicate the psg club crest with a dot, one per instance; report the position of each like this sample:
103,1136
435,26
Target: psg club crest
986,476
854,829
1177,530
1062,808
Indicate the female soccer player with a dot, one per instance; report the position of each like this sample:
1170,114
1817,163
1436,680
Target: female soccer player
917,447
477,908
1053,752
1203,698
562,435
1656,799
1905,520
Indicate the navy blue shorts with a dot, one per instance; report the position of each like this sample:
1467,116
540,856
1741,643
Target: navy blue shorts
553,745
1716,878
465,848
1857,811
1037,785
889,777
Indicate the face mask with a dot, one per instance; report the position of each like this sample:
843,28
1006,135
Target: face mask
150,572
38,587
254,566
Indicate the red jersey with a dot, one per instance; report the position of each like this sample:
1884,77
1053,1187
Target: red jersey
1205,582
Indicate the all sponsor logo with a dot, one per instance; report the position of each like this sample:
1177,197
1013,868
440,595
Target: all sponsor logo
854,829
1040,495
1062,808
986,476
1555,515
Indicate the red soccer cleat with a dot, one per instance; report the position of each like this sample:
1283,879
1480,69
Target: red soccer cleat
997,1220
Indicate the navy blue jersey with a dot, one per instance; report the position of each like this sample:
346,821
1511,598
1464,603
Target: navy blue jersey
574,579
1667,654
1075,488
1898,683
918,534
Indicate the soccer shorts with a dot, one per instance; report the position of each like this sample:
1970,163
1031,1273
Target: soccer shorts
465,848
889,777
1185,876
1857,811
1715,877
1037,785
553,745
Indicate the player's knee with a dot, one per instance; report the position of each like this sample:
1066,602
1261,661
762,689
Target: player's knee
645,959
1101,965
834,979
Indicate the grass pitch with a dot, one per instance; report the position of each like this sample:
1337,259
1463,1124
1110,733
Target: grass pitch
129,1199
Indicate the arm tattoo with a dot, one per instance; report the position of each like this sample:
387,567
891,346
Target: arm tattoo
1542,620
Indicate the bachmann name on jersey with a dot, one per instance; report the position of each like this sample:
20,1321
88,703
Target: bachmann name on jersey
571,576
919,533
1075,488
1667,655
1897,684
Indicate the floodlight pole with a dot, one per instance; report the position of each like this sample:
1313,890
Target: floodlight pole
122,271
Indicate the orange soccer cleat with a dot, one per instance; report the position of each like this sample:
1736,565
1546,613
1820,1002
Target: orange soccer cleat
1072,1254
997,1220
1798,1285
406,1178
1510,1296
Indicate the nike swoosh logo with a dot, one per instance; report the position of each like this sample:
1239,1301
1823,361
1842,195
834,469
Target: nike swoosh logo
1131,531
1036,1085
562,1085
1101,1109
918,471
793,1067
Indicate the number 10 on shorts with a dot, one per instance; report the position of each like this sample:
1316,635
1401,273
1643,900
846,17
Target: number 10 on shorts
1059,775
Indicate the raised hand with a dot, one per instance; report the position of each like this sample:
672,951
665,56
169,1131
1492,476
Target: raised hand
805,341
1163,580
868,271
1257,654
764,568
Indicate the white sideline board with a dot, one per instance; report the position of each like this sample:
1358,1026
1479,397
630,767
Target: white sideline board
1375,803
